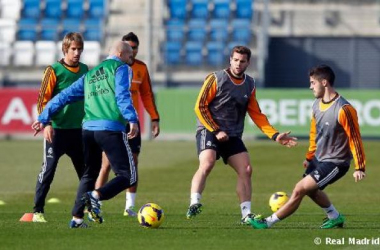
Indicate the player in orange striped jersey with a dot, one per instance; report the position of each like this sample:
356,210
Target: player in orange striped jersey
223,102
141,86
334,140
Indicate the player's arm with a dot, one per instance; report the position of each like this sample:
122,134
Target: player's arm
260,119
48,83
312,136
349,120
147,97
206,95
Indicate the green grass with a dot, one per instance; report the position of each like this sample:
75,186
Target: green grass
166,169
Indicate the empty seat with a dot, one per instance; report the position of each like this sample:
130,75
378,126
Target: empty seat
216,53
222,9
31,9
49,29
93,29
70,25
8,29
91,53
194,56
244,9
197,30
219,30
5,53
23,53
175,30
97,8
53,9
75,9
199,9
241,30
59,50
177,8
10,9
27,29
172,53
45,53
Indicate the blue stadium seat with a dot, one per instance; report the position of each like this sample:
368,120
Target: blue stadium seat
74,9
31,9
175,30
222,9
177,8
199,9
197,30
218,30
70,25
53,9
244,9
216,54
97,8
49,29
241,30
93,29
27,29
172,51
194,56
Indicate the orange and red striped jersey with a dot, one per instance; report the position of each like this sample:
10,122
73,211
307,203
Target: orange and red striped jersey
141,85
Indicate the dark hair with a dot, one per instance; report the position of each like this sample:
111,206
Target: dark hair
241,50
131,37
69,38
323,72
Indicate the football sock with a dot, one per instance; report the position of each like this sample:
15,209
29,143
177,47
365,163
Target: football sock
95,194
272,220
245,208
195,198
331,212
78,220
130,200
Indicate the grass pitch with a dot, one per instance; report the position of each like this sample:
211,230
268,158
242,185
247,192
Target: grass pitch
166,169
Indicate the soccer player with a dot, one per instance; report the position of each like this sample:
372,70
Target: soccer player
63,134
141,86
223,102
108,107
334,140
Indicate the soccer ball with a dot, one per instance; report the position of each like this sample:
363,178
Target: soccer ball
277,200
150,215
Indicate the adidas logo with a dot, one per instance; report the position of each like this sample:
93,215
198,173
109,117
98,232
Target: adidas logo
98,76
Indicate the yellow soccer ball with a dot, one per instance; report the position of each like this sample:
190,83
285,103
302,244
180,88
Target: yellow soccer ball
150,215
277,200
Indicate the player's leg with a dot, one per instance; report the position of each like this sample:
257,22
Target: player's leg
92,158
130,195
241,164
74,149
52,153
302,188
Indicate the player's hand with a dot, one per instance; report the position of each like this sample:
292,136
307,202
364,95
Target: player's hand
37,127
286,140
155,128
358,175
48,133
222,136
133,130
306,163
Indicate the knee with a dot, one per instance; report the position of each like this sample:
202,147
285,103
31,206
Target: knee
298,192
206,167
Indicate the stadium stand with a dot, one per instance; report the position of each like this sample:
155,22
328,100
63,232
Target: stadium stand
199,9
5,52
27,29
70,25
241,30
216,53
194,54
244,9
197,30
45,53
222,9
93,29
177,9
23,53
31,9
75,9
49,29
172,53
219,30
175,30
97,8
91,53
7,30
10,9
53,9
